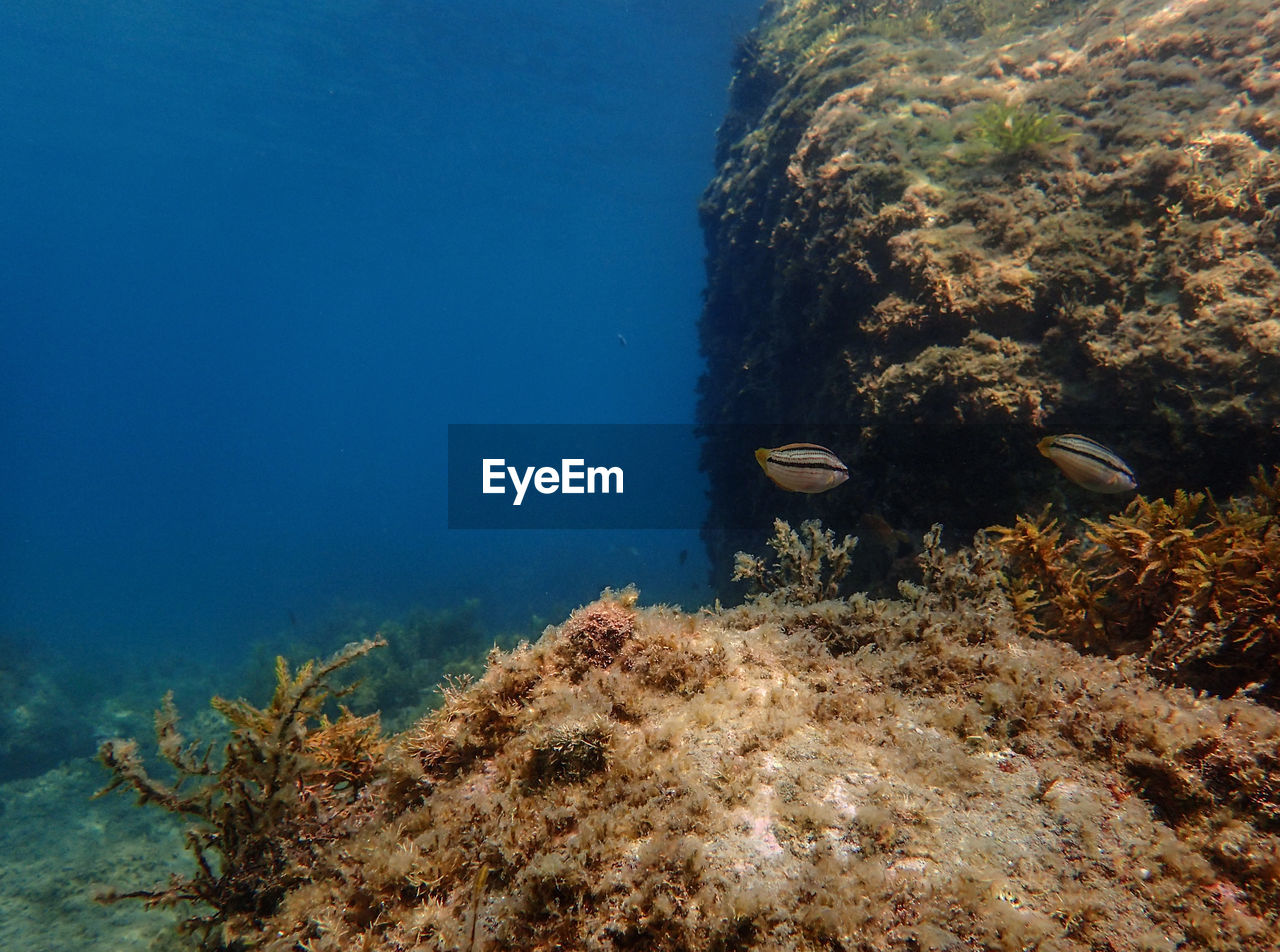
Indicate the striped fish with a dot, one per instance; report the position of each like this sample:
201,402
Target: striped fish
803,467
1088,464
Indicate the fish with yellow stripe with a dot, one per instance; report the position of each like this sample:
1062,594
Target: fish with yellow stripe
1088,463
802,467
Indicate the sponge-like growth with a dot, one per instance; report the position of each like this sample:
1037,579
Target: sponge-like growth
594,635
571,751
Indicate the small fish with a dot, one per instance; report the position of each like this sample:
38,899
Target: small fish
622,340
803,467
1088,464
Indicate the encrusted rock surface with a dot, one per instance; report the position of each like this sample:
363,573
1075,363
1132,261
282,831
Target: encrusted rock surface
854,775
881,259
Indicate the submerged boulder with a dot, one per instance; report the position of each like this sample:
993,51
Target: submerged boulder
850,775
939,232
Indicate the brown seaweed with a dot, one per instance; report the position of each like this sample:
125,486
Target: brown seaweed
1190,585
287,781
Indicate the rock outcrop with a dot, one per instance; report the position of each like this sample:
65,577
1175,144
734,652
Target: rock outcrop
939,232
850,775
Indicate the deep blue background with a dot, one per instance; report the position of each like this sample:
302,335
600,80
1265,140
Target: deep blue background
256,255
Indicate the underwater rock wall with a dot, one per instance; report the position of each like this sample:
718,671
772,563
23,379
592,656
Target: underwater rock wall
954,228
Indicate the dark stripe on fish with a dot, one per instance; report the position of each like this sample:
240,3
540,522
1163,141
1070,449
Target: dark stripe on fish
796,463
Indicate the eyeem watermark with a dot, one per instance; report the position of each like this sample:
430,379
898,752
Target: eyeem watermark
573,477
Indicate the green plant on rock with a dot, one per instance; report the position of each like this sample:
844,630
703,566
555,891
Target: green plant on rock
287,780
1013,130
808,565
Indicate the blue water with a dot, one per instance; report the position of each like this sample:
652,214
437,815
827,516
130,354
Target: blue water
256,256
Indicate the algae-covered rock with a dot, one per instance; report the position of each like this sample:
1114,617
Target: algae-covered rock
958,227
860,774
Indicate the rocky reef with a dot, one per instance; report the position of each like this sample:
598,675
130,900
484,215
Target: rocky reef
955,227
915,772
